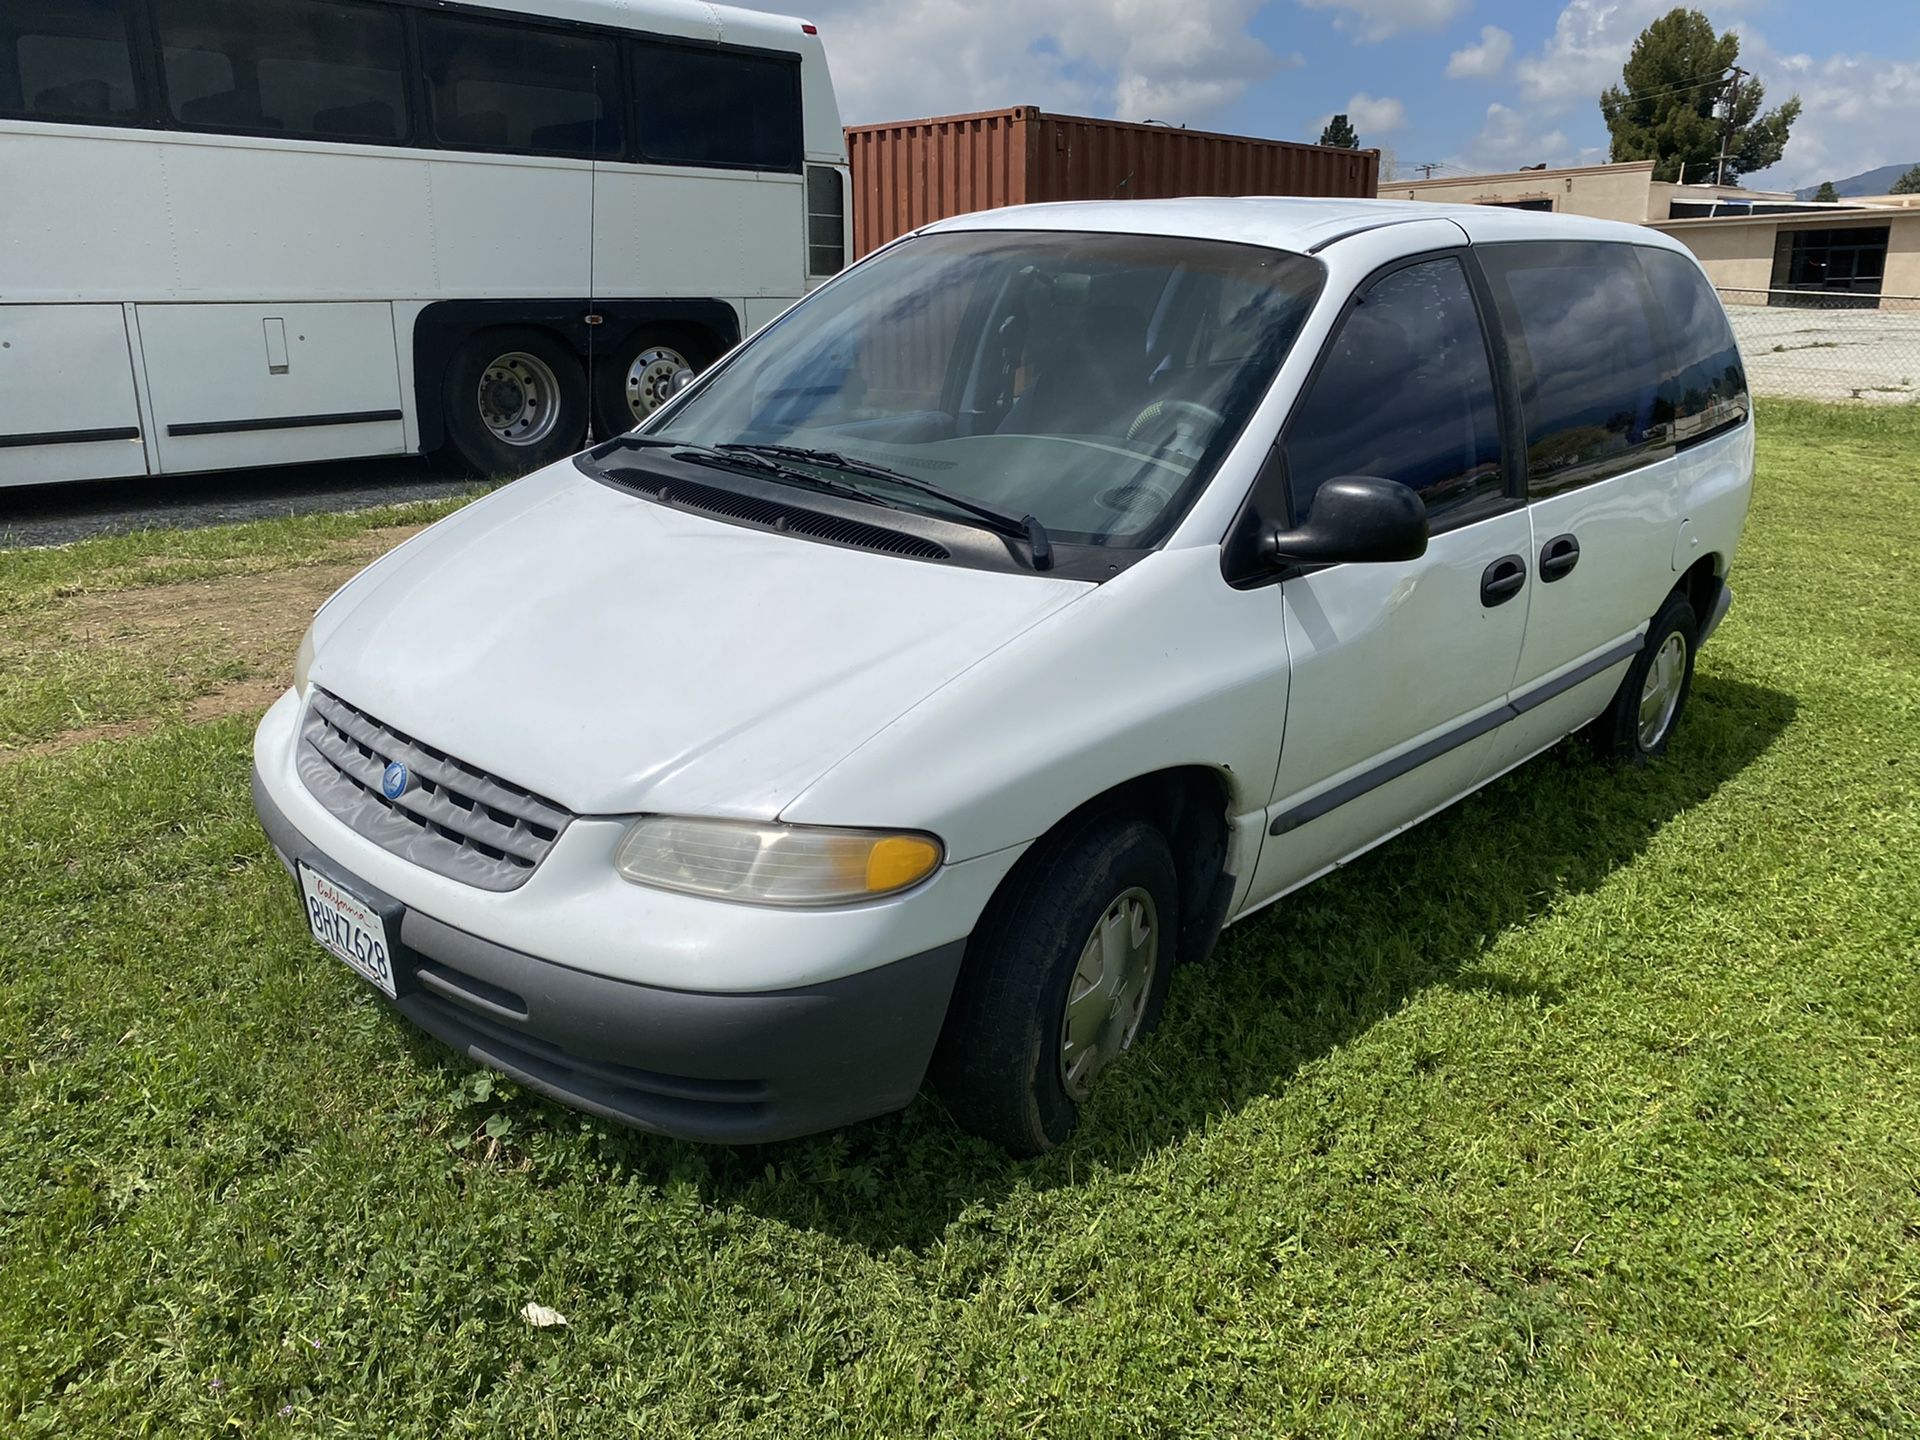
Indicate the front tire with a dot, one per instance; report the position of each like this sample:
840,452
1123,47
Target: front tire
1067,970
515,400
1638,724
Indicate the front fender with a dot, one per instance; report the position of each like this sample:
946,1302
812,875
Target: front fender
1164,666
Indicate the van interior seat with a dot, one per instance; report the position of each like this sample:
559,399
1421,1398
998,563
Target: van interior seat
1092,374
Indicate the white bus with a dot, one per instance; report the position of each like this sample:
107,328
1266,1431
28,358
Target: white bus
252,232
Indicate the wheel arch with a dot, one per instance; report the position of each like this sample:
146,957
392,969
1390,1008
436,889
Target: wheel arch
442,327
1188,804
1701,584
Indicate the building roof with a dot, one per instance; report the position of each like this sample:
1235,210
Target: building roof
1293,223
1447,182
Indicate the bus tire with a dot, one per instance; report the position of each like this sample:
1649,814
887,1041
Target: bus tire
516,399
635,378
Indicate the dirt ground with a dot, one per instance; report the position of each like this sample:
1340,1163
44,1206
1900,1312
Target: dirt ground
242,629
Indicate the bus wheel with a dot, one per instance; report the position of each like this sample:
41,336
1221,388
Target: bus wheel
515,400
636,379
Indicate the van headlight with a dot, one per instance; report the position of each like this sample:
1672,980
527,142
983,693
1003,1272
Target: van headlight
303,663
768,864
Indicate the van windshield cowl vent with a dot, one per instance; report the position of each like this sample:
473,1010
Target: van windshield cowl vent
774,514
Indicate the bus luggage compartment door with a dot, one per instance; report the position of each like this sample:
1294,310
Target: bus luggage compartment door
68,410
271,384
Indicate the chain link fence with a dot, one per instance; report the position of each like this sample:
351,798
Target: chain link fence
1827,345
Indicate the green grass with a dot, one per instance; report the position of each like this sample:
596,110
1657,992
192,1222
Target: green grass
1589,1108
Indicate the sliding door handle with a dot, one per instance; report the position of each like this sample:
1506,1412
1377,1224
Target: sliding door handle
1503,579
1558,557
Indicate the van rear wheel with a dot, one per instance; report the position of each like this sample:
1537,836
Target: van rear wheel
516,399
1067,970
1638,724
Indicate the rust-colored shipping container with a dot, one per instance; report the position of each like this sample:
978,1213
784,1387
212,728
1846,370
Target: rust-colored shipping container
912,172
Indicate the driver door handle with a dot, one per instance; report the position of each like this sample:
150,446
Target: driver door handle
1558,557
1502,580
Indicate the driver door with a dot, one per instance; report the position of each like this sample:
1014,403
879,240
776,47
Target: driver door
1400,671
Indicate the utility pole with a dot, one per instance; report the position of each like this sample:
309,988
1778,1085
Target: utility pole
1726,137
1426,171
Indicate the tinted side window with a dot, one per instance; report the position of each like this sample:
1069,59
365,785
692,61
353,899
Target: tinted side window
1590,370
301,67
520,90
717,107
1703,385
1405,393
66,60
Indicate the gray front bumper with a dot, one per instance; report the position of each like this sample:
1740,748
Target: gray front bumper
731,1069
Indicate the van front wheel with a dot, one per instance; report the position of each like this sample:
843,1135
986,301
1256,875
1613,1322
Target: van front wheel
1068,969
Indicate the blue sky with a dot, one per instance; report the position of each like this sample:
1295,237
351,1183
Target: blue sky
1469,85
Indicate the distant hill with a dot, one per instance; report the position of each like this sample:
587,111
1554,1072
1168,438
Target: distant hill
1871,182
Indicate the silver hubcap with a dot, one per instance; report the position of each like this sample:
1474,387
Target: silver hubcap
1660,697
519,399
650,379
1108,992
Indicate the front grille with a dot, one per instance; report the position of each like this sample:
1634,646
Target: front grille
453,819
788,519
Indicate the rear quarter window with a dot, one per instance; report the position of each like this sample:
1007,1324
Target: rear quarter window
1703,384
1588,353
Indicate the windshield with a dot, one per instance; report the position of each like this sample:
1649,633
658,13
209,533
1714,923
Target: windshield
1091,381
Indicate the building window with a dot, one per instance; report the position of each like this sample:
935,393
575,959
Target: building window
1830,268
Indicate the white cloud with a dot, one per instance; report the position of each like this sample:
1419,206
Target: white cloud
1861,112
1373,116
1133,59
1489,57
1590,43
1510,139
1372,20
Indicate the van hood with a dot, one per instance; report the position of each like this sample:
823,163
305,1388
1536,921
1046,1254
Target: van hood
618,656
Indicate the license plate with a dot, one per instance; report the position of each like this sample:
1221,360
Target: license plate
348,927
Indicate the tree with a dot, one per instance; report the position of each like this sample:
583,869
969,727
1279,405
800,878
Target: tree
1665,108
1826,191
1907,184
1340,134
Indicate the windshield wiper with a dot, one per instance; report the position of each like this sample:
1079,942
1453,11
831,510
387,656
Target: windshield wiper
735,457
992,517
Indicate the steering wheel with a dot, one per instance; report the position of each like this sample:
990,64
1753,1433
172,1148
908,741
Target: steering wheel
1166,422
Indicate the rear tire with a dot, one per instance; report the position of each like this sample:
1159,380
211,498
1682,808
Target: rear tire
1639,722
635,379
516,399
1068,968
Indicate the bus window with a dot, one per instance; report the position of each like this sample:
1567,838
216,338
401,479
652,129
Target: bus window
521,90
315,68
66,60
701,106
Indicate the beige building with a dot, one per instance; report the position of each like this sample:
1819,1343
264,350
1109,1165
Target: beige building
1760,247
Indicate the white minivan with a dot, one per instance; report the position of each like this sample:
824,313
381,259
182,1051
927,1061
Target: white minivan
1054,588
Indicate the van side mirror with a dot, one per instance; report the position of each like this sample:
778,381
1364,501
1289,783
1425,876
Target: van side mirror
1356,519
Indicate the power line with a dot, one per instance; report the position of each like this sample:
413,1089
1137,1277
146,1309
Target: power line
1720,79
